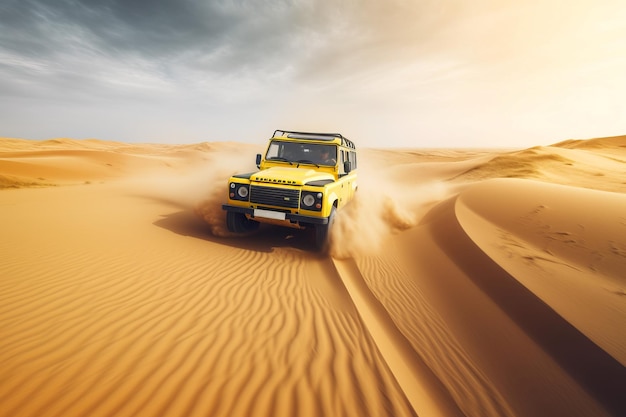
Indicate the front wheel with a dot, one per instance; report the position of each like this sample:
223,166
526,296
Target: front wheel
323,231
239,223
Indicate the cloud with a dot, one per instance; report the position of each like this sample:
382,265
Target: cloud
442,70
174,38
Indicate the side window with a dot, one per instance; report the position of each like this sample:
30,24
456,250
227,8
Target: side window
272,151
344,157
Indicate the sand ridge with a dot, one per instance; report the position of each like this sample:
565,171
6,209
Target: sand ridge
461,282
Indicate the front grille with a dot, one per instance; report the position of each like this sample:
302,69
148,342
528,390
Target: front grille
273,196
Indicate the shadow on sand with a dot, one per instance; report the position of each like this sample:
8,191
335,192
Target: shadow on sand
266,239
592,367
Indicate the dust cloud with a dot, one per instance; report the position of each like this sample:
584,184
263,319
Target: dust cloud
199,186
381,208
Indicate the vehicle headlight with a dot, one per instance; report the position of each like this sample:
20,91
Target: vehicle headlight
308,200
242,191
239,191
311,200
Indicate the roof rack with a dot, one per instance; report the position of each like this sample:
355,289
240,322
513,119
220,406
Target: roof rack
314,136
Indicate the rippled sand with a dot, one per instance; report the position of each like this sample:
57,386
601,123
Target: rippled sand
460,282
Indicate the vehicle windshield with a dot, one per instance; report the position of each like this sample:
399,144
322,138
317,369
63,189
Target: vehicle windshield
305,153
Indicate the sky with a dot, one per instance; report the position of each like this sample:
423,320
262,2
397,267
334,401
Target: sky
385,73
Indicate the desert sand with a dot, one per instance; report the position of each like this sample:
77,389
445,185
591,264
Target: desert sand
474,282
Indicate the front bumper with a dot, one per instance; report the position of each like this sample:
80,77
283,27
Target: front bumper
293,218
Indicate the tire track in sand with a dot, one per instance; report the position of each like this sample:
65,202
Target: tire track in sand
432,339
422,388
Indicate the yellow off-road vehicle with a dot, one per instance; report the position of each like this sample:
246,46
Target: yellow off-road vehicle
303,179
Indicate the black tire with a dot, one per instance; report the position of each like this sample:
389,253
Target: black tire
239,223
323,231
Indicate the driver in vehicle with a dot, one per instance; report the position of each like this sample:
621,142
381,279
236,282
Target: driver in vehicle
325,158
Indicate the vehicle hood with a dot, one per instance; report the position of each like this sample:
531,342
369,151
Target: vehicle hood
290,175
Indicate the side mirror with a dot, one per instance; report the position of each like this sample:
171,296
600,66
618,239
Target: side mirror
258,160
347,167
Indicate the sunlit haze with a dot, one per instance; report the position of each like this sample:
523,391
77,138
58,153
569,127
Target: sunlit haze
385,73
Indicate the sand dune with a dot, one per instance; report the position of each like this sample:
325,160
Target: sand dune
461,282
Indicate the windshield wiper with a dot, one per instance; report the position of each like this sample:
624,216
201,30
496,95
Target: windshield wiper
281,159
306,161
